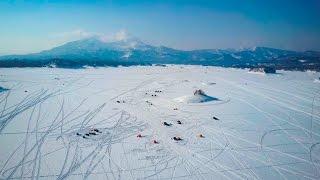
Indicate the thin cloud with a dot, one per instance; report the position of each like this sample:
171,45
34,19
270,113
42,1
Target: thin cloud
78,33
82,34
118,36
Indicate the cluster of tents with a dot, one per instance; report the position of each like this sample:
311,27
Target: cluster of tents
92,132
175,138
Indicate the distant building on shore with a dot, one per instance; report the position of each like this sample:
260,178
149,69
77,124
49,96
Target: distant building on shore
266,70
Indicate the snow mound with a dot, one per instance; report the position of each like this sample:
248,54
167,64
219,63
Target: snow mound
198,97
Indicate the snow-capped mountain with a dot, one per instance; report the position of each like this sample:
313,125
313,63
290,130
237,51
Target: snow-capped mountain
131,51
92,46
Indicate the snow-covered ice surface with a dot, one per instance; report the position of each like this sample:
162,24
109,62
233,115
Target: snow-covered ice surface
83,124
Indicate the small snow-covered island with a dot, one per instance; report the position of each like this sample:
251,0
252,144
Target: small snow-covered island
199,96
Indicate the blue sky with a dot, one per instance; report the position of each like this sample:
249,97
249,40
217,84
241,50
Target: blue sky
35,25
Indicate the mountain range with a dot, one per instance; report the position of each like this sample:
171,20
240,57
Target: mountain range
96,52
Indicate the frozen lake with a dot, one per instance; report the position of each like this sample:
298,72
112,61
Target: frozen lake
86,124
